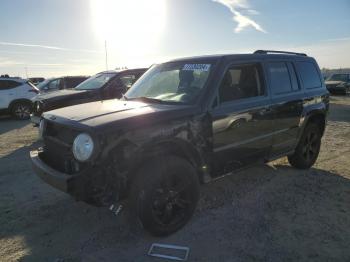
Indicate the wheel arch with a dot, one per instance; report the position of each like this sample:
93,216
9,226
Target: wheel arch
318,116
176,146
20,100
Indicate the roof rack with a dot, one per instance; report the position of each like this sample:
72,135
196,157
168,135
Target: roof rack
277,52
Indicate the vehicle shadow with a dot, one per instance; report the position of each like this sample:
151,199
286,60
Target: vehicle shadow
7,123
279,213
270,213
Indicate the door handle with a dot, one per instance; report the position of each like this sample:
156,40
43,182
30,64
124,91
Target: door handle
265,111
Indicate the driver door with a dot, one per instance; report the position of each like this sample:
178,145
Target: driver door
242,119
7,93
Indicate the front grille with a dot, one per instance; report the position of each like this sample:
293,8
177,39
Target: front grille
60,132
63,163
58,140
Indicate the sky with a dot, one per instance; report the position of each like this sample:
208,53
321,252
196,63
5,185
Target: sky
69,37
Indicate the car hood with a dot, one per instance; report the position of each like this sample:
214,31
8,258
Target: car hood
333,82
109,113
58,94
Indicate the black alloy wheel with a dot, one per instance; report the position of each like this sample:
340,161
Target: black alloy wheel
171,200
164,195
307,151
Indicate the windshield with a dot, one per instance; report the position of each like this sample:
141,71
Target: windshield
95,82
171,82
42,85
339,77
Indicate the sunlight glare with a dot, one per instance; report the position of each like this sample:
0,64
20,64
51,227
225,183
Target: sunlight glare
130,27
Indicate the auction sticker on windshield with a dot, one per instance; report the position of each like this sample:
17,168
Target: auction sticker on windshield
196,67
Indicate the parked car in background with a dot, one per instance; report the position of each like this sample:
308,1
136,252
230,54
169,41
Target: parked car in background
104,85
185,122
338,83
15,97
59,83
36,80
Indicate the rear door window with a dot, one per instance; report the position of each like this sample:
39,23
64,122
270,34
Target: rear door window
8,84
280,80
309,75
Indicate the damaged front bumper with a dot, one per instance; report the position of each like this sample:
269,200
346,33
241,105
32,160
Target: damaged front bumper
59,180
88,185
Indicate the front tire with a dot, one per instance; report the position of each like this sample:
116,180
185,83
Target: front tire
21,110
307,151
164,195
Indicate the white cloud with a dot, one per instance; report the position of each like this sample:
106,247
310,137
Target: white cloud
30,45
243,21
47,47
9,63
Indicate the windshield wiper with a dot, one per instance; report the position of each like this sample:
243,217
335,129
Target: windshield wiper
147,99
125,97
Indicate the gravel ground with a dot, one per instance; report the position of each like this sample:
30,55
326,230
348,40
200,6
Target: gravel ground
267,213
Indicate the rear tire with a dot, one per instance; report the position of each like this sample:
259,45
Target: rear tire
307,151
21,110
164,195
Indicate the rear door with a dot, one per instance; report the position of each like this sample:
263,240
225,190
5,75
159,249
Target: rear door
287,104
242,118
8,92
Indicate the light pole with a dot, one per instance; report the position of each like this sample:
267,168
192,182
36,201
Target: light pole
106,54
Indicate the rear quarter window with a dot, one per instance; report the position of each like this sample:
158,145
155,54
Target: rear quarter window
76,81
309,75
70,82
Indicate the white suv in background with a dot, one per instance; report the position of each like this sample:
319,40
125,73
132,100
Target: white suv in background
15,95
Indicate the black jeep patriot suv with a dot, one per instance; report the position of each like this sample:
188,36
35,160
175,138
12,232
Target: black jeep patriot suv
185,122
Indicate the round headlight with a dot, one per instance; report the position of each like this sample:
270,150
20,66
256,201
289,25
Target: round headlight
41,128
83,146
